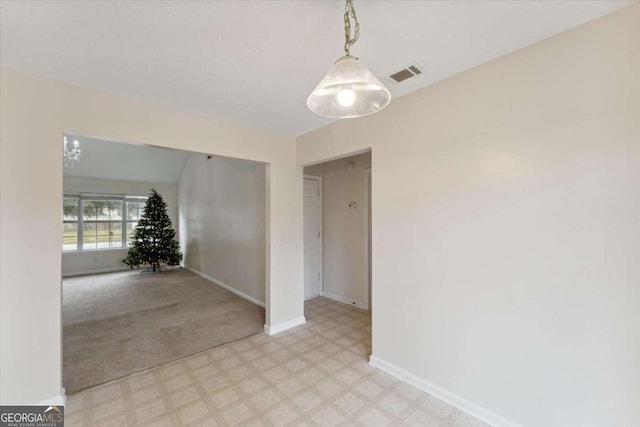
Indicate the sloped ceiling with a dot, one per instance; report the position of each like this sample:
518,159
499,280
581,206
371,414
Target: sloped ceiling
126,162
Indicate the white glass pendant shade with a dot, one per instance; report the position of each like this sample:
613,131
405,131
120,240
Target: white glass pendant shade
348,90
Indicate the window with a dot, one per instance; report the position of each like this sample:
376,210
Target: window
92,222
134,213
70,224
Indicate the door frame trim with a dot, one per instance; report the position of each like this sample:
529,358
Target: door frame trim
368,183
321,220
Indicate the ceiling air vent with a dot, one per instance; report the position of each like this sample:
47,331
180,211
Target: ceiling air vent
406,73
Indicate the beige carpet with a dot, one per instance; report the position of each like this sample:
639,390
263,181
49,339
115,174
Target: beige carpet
121,323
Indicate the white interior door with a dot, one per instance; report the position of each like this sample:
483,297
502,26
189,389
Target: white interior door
312,237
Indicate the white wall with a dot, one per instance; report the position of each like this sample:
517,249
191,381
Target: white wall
36,112
344,250
222,221
506,230
99,261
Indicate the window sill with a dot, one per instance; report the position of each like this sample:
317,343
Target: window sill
93,251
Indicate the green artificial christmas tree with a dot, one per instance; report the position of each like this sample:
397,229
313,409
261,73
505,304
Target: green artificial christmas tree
154,241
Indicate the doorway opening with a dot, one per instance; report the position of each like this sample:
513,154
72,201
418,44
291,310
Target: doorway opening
117,321
337,238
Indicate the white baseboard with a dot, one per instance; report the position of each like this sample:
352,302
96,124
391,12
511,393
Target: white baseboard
225,286
345,300
99,271
442,394
59,400
281,327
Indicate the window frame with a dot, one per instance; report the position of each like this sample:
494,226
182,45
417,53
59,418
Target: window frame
80,220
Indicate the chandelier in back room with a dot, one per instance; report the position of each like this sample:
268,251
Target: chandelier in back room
72,152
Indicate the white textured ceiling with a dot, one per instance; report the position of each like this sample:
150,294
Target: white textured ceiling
255,62
126,162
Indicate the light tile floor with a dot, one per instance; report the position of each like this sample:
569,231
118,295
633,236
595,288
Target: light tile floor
312,375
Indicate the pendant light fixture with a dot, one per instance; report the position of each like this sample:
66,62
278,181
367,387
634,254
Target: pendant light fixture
349,89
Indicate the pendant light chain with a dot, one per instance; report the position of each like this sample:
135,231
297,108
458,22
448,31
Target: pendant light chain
348,41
